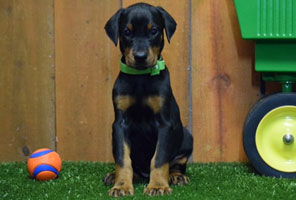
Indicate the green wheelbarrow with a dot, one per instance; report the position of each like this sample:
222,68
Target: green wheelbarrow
270,127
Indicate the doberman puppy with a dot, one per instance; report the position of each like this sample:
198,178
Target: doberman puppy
148,137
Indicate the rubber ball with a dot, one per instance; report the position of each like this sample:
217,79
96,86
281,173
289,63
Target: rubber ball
44,164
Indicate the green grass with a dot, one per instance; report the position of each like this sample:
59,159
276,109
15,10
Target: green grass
83,180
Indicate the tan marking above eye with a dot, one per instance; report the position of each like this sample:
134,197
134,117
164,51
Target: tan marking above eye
130,27
150,26
155,103
124,102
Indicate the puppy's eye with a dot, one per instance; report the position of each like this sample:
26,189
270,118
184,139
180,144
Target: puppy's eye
127,32
153,31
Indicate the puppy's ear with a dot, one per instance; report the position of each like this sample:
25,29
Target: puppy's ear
169,23
112,26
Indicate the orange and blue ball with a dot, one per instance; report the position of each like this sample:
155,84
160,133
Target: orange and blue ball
44,164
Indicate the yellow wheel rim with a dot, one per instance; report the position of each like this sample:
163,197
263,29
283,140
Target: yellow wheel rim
275,138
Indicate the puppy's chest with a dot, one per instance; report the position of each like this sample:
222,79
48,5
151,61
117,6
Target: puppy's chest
139,105
140,95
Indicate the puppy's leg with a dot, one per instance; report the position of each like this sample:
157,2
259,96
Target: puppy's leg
123,185
159,179
179,164
177,172
159,171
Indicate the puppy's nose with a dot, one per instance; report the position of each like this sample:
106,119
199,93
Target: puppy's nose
140,56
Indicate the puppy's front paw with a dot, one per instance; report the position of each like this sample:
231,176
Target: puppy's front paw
121,190
158,190
178,178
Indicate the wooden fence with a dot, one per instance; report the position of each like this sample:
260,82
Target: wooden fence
57,69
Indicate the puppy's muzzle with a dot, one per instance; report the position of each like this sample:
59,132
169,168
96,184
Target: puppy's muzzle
140,56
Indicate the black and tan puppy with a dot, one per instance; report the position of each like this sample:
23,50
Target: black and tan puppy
149,139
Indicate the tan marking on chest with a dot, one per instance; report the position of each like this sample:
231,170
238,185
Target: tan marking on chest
124,102
155,103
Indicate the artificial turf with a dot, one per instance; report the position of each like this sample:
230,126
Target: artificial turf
83,180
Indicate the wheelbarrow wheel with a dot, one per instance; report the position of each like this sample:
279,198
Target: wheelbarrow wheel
270,135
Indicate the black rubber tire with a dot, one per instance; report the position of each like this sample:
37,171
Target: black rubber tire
261,108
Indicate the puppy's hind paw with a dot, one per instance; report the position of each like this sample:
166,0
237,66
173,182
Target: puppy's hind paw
178,178
109,179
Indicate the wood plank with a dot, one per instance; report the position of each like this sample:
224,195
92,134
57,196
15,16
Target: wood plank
27,94
225,85
87,65
177,53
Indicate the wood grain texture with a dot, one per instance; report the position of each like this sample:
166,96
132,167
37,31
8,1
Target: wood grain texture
27,95
225,86
58,67
177,53
87,65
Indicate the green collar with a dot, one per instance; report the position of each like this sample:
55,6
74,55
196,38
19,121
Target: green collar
152,71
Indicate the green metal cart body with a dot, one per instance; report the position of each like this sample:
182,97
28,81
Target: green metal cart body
272,25
270,127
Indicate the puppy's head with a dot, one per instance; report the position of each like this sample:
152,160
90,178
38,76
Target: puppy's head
140,29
